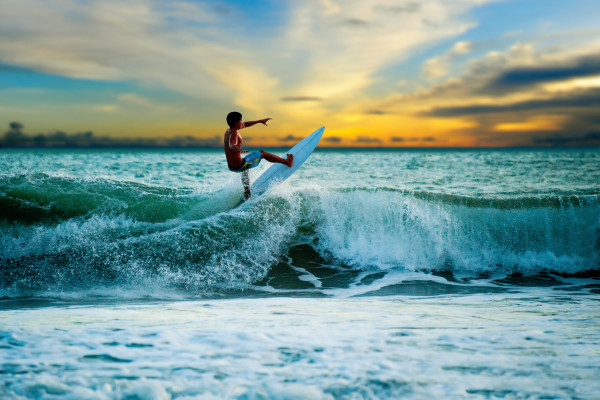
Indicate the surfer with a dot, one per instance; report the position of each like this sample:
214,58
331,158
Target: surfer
233,150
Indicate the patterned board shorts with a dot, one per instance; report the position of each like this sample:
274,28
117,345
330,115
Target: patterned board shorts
250,161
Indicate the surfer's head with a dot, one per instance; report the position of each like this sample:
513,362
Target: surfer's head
233,118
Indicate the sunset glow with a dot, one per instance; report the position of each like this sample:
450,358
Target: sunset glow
375,73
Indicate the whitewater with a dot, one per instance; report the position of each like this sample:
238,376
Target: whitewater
368,274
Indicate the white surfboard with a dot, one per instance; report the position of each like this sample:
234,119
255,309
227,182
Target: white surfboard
277,173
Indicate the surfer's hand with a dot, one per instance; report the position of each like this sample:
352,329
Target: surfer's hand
243,151
264,121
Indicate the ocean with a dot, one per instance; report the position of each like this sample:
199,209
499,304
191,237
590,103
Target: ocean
419,274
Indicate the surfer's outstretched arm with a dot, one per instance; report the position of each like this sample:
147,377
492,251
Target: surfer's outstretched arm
289,161
260,121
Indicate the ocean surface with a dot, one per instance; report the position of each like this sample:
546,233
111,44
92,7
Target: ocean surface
368,274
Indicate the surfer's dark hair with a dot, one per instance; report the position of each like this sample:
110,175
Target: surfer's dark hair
233,118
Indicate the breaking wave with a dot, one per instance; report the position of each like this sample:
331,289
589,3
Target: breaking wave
63,234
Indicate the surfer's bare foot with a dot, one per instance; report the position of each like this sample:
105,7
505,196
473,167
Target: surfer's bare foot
289,161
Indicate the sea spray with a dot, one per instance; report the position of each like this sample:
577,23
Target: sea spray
225,250
389,229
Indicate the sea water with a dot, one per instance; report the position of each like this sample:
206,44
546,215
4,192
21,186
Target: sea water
367,274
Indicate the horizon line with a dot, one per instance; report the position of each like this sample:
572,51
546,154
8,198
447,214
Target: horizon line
209,147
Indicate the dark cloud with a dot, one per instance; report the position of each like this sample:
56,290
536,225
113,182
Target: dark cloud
430,23
588,138
16,138
517,78
15,126
290,137
225,10
190,141
377,112
333,139
411,7
300,98
414,139
355,22
577,99
367,139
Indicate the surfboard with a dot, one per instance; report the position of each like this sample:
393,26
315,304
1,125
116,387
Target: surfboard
277,173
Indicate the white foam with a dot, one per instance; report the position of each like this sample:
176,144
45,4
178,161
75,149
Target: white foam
306,348
381,229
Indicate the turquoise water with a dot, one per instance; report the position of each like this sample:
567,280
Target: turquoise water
368,274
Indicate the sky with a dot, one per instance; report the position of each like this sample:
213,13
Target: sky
381,73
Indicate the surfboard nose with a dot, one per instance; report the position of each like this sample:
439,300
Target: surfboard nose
277,173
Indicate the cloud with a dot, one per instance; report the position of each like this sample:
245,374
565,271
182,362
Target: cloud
15,137
377,112
342,62
168,41
159,43
135,100
355,22
563,100
226,10
578,99
411,7
15,126
301,98
533,123
367,140
588,138
190,47
290,137
105,108
438,66
522,77
521,69
414,139
335,53
333,139
190,141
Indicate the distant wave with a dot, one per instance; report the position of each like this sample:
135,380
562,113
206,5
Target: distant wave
64,234
40,198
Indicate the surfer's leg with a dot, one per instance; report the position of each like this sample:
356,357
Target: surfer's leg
246,183
276,159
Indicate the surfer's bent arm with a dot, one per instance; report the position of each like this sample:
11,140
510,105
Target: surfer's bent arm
235,142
